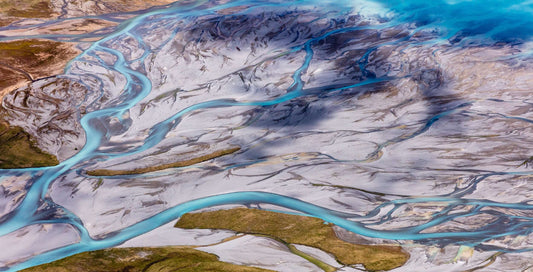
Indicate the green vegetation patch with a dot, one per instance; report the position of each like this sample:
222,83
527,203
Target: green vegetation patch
26,8
18,150
216,154
322,265
294,229
159,259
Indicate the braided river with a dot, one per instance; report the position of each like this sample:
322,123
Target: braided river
407,121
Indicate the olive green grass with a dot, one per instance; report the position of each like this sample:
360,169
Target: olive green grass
18,150
295,229
143,259
216,154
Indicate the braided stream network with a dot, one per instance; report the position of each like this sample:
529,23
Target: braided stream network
400,120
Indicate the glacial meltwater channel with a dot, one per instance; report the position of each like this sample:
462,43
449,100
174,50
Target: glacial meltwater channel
399,120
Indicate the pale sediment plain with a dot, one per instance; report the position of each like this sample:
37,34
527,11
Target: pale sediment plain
377,125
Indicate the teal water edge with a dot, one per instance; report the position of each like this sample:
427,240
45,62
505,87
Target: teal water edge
415,24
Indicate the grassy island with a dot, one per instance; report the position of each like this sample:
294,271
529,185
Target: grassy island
294,229
18,150
144,259
189,162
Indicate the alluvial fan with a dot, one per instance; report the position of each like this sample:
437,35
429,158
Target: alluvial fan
400,122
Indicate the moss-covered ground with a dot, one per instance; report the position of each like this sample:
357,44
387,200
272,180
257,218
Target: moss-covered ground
294,229
216,154
18,150
161,259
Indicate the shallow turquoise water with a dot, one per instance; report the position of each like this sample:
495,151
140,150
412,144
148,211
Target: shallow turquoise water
458,24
